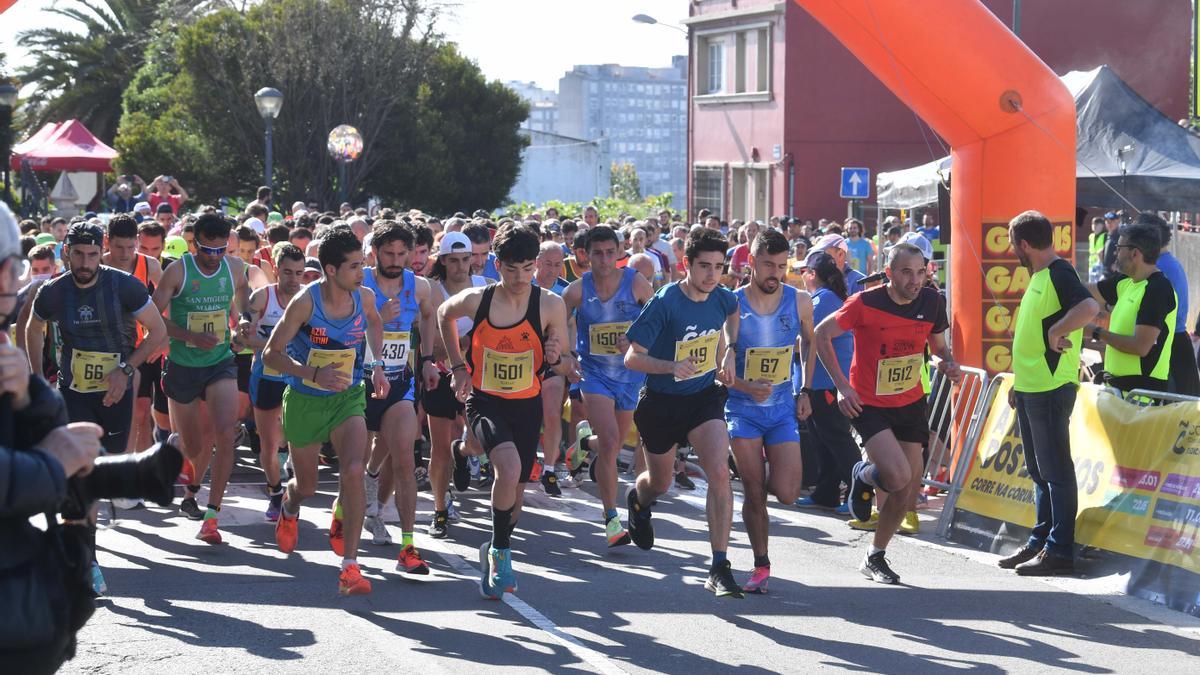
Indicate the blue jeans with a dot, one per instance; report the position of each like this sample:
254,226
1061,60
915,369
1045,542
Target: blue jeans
1044,419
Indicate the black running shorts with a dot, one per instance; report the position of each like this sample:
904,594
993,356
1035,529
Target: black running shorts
665,420
496,420
909,423
440,401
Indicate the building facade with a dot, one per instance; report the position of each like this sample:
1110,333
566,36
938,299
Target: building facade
640,112
543,106
779,105
561,167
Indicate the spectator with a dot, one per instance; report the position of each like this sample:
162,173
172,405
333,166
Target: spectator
862,251
929,229
1112,221
262,199
121,198
167,190
836,246
1185,379
1096,245
1138,340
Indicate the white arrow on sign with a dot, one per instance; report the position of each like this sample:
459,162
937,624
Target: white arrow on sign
855,181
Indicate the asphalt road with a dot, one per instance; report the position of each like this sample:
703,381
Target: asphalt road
180,606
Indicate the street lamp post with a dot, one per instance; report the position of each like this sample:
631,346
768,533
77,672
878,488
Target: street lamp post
8,101
651,21
269,102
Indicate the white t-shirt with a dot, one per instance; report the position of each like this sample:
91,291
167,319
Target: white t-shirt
665,249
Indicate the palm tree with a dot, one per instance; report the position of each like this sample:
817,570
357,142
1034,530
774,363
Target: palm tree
82,75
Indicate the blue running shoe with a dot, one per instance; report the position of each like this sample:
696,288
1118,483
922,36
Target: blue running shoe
503,578
99,588
486,588
860,494
842,509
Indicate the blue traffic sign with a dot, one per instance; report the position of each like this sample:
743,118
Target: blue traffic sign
856,182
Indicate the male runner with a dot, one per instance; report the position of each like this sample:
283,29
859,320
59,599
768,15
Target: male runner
450,275
123,254
884,397
402,299
760,411
267,385
676,340
605,302
516,331
318,346
548,274
96,308
200,376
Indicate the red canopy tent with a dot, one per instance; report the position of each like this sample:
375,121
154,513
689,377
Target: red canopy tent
69,147
35,140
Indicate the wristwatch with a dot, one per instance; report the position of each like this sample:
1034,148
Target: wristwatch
126,368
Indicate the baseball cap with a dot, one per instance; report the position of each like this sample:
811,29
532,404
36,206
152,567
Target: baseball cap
85,233
311,263
175,246
830,241
1110,216
918,240
257,224
46,238
455,242
814,257
297,207
143,208
274,217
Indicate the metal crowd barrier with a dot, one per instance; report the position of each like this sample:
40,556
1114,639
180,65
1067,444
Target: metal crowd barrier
982,405
952,412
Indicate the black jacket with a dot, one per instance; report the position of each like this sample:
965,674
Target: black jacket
31,481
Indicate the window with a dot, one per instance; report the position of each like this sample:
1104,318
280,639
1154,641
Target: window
708,189
716,68
763,60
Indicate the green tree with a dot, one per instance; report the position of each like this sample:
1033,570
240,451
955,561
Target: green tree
624,182
83,62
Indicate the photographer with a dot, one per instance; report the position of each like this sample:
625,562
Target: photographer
39,587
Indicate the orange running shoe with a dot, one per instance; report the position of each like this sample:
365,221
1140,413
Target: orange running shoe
337,539
351,581
409,561
208,532
287,531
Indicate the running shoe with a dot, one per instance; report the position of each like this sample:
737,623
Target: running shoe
99,588
910,524
462,467
683,481
860,494
409,561
241,435
452,514
503,577
486,588
758,580
485,476
189,508
337,538
208,532
127,504
721,582
550,484
287,531
614,533
378,530
875,567
351,581
372,488
808,503
439,527
932,491
868,525
842,509
421,475
274,505
564,476
641,531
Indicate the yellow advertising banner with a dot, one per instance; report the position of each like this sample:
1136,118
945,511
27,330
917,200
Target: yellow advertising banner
1138,470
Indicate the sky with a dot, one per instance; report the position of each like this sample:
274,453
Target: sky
523,40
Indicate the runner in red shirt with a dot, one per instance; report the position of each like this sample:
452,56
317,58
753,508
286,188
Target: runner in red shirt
883,397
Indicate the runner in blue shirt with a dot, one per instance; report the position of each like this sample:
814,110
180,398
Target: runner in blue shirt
761,411
1185,378
676,341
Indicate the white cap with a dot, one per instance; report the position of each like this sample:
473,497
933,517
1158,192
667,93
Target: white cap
257,224
918,240
142,208
830,241
454,242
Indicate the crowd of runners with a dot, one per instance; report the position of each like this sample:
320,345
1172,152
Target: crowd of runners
420,354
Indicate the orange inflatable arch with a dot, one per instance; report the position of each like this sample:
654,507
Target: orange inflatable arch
1011,125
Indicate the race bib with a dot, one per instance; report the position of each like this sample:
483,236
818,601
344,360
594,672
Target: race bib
208,322
773,364
319,358
395,349
88,370
603,337
899,374
267,371
703,348
505,373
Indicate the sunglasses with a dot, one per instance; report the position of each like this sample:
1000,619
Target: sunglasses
212,250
